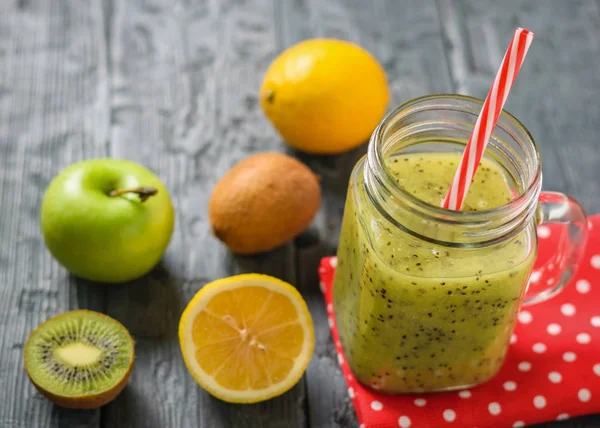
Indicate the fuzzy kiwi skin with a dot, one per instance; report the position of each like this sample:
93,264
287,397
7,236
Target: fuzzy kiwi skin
88,401
263,202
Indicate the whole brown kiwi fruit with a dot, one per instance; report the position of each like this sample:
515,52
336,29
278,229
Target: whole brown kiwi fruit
262,202
80,359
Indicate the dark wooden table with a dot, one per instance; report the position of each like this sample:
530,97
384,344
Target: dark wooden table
173,84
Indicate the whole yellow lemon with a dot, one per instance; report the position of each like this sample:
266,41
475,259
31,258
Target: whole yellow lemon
325,96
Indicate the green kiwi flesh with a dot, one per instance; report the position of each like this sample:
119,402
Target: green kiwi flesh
79,359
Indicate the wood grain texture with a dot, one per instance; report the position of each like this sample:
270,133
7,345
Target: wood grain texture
410,74
173,85
53,111
556,94
184,102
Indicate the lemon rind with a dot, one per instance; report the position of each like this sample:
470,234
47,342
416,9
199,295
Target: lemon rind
199,302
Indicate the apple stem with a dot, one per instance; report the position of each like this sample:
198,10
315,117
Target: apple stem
143,192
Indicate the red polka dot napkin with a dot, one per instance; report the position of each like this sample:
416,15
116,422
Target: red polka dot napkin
551,372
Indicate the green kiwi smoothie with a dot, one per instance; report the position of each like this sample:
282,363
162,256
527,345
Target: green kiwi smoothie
416,315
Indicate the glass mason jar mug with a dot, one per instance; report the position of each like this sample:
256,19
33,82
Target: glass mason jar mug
426,298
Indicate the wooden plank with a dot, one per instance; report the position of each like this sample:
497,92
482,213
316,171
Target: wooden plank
185,83
399,43
557,90
53,112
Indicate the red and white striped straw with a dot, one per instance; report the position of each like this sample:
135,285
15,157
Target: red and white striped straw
492,107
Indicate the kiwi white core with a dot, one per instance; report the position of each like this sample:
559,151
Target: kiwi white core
79,354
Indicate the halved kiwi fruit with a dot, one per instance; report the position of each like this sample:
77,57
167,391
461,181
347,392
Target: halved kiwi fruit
80,359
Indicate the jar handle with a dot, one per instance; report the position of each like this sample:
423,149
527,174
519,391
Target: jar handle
557,207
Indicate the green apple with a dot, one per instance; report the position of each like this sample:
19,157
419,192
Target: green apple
107,220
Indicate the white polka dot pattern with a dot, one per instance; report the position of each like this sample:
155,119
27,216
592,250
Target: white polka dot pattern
525,317
568,309
494,408
449,415
554,377
584,395
583,286
404,422
539,401
524,366
376,405
583,338
551,371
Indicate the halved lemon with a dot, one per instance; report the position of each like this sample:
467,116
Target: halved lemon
247,338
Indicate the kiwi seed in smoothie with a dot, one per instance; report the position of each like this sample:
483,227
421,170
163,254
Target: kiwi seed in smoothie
416,316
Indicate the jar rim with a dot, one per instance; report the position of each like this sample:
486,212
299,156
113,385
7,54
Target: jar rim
375,162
